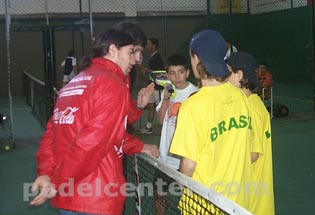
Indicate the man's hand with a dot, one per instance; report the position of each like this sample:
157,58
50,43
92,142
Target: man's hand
151,150
167,95
144,95
46,190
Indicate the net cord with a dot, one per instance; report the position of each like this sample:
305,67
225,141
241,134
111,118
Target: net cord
216,198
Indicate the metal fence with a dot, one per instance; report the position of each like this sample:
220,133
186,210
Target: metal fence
279,33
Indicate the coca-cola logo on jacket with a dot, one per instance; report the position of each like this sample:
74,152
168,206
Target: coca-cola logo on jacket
65,116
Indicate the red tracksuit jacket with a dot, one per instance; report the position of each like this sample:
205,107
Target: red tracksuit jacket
86,138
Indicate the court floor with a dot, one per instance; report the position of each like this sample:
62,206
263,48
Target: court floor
293,157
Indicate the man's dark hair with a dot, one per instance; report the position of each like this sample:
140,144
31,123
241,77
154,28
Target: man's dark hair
134,31
102,43
155,42
71,53
176,60
262,64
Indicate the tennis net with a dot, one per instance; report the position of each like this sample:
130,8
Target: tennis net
162,190
34,91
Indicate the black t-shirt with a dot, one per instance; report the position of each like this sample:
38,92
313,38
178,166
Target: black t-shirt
68,65
156,63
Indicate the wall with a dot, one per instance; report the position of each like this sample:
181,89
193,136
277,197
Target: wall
27,44
282,39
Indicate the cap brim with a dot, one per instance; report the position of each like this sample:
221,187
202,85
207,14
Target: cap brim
217,69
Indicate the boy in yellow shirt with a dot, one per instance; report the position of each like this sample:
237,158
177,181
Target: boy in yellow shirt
242,66
214,127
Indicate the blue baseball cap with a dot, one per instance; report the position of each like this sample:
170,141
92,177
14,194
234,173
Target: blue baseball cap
247,63
210,47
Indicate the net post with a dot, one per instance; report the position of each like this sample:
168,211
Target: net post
50,70
8,46
137,181
32,94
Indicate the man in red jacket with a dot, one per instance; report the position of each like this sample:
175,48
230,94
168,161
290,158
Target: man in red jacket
80,155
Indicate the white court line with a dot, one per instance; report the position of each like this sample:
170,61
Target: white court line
293,99
21,108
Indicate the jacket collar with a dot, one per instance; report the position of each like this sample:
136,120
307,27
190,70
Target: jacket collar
104,63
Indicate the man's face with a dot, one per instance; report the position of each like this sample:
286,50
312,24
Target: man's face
262,69
178,76
234,78
137,53
194,61
149,47
125,58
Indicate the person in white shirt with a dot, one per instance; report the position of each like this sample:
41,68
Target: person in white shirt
171,99
229,49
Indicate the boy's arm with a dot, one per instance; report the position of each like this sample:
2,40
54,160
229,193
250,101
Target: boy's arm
254,156
165,102
75,69
187,166
62,66
74,66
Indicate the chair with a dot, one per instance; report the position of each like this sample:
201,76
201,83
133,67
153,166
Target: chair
267,97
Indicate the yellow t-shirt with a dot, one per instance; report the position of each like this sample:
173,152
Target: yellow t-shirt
214,130
262,196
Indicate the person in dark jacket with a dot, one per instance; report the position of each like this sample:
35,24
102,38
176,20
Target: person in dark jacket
155,63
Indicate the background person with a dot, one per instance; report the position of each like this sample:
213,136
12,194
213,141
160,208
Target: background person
155,63
230,48
69,67
265,79
140,41
167,110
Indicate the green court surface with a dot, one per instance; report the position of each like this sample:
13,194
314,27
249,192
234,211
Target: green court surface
293,157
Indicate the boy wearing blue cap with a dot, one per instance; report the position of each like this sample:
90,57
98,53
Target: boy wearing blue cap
243,75
214,127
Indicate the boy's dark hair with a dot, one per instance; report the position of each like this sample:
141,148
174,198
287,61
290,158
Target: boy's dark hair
176,60
134,31
155,42
247,84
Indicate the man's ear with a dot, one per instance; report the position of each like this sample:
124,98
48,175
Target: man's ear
187,73
196,57
240,74
112,51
